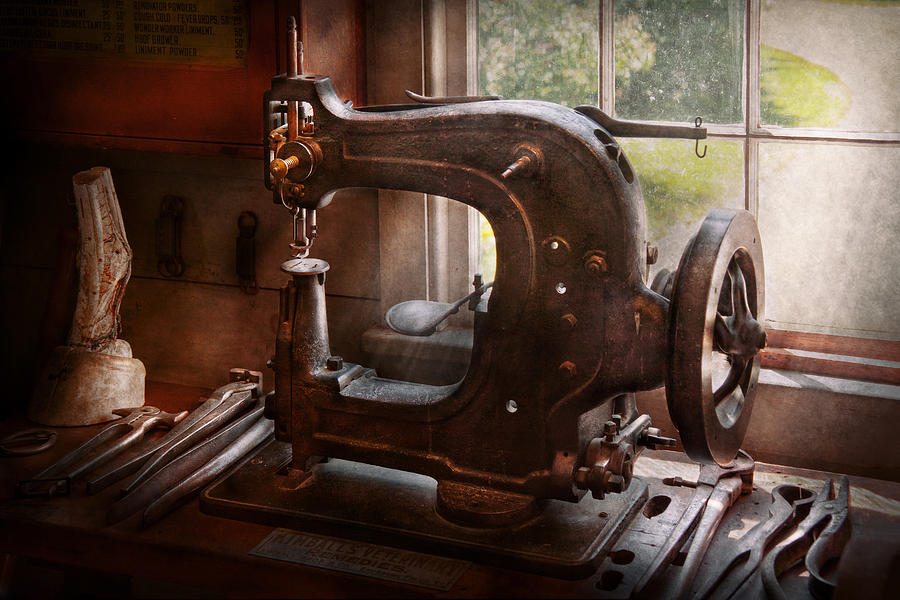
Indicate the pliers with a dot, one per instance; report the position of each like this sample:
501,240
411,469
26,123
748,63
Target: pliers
186,428
821,536
130,429
790,505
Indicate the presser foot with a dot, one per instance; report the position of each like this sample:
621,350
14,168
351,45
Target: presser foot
397,508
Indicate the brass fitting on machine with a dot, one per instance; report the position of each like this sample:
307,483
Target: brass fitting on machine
296,162
279,167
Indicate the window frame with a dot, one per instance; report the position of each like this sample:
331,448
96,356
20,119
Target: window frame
752,133
444,35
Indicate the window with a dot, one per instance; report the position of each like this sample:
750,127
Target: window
804,129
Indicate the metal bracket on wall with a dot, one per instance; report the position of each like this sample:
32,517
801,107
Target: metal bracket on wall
245,252
168,236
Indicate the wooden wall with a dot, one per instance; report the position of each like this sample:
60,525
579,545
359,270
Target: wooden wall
192,132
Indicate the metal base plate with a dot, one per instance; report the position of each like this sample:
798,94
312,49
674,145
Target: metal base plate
396,508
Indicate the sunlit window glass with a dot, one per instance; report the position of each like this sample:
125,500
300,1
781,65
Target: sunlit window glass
830,64
829,217
539,50
678,60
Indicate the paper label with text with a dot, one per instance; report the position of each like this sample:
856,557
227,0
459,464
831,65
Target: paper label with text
204,32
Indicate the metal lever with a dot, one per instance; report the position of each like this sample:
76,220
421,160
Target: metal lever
620,128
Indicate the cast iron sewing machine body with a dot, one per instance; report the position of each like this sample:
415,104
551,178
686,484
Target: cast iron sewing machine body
571,254
568,333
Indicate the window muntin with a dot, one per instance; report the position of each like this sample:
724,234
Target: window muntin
680,189
753,96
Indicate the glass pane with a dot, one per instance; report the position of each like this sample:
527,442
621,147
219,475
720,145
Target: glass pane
829,218
679,188
830,64
678,60
539,50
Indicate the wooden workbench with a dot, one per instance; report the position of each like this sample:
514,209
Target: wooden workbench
62,546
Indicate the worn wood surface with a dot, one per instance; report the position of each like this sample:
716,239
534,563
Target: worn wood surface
834,344
778,358
190,553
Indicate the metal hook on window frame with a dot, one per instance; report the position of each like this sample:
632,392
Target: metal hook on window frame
697,123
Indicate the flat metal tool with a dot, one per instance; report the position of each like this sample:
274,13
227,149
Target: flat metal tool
790,504
712,497
821,536
261,431
119,471
233,405
130,429
182,467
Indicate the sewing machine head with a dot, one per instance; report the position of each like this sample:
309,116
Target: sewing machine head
570,332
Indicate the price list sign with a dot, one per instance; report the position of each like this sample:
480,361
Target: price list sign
203,32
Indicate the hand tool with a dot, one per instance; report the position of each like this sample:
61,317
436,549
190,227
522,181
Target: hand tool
119,471
132,427
715,489
790,504
260,432
230,407
821,536
27,442
181,467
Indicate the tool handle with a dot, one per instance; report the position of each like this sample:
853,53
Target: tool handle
60,466
721,499
208,424
126,441
259,433
668,551
182,467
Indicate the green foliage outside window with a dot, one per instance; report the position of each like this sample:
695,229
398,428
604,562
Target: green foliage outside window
673,61
540,50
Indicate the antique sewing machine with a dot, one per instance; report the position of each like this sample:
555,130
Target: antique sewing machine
527,461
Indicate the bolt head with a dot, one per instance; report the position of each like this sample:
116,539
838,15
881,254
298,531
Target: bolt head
334,363
595,265
568,322
568,369
278,168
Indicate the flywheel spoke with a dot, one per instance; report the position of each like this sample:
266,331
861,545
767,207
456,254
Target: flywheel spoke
732,380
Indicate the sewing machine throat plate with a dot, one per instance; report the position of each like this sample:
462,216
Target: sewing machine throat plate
396,508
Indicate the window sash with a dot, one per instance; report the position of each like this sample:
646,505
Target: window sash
751,131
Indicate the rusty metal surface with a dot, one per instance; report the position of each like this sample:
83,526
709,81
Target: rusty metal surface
395,508
72,530
568,334
539,173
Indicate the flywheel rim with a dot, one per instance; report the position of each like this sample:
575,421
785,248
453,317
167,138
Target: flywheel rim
712,418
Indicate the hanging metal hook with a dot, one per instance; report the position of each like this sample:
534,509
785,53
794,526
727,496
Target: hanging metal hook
697,123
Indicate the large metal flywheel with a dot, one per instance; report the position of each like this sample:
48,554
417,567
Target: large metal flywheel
715,333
